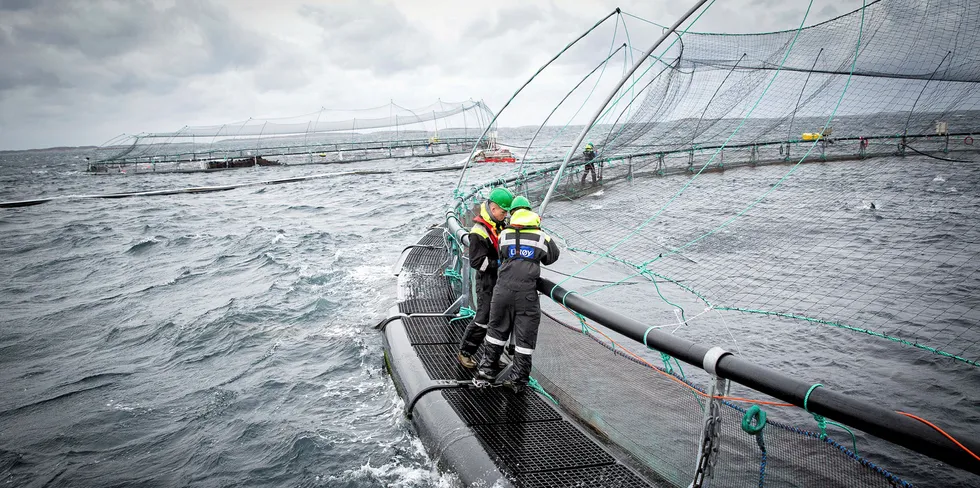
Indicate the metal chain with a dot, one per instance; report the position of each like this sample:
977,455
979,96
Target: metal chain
704,466
708,454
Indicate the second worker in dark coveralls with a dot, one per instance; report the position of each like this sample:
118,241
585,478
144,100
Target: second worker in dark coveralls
484,259
524,247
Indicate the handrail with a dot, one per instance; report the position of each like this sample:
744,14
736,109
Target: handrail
873,419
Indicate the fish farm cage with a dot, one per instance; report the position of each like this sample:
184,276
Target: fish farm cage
768,272
324,136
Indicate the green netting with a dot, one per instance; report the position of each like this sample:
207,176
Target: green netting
660,428
862,106
804,198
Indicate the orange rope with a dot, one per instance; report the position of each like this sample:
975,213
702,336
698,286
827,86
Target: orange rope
747,400
941,431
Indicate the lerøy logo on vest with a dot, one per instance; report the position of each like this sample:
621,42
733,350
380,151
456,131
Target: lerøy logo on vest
527,252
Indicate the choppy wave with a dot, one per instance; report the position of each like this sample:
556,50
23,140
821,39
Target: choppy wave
204,339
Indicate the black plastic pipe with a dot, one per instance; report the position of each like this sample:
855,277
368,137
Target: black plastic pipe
873,419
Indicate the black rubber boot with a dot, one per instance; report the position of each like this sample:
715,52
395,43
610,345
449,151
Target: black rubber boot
489,364
520,373
473,336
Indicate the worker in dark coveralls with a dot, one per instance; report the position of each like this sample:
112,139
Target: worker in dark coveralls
589,154
524,247
485,260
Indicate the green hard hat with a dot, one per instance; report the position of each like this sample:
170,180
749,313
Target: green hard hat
519,203
502,197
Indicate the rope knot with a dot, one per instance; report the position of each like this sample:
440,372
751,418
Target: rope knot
464,313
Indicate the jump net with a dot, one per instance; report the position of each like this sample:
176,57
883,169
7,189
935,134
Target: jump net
323,136
806,199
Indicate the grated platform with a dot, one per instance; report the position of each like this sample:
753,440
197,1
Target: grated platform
524,434
424,305
610,475
541,446
498,406
422,285
435,237
434,330
440,362
425,260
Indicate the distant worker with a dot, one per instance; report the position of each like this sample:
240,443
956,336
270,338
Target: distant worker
485,260
515,307
589,154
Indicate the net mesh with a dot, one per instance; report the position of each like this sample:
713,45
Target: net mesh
324,136
805,198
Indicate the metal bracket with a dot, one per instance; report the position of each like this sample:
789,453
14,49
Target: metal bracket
711,425
455,306
711,358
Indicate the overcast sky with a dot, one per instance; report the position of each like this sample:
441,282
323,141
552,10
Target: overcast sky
82,72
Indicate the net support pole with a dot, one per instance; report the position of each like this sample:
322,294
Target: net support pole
612,93
462,172
546,119
457,232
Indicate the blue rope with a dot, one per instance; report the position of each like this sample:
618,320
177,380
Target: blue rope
753,422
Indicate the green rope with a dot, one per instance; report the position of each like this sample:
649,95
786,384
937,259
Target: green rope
667,367
453,274
464,314
581,320
609,108
756,414
814,320
708,303
666,359
852,328
792,170
822,421
717,151
533,384
662,297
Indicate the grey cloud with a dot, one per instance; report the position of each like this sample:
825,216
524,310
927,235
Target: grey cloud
95,32
829,12
12,77
14,5
505,23
128,83
370,35
285,71
517,39
127,45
